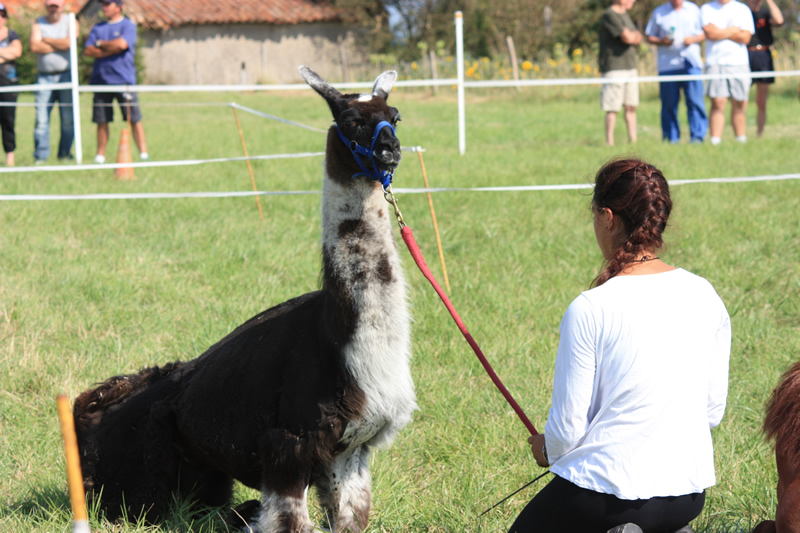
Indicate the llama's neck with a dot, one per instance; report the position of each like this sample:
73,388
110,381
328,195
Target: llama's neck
364,279
362,268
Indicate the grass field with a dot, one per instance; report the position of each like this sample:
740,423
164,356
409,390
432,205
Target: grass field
89,289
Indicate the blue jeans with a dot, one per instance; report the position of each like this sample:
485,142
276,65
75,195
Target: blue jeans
44,105
695,105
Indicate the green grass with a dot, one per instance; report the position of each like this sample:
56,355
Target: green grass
89,289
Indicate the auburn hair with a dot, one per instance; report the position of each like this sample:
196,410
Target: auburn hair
637,193
782,422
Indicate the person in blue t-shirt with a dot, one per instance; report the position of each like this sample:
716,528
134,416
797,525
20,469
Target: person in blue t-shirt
112,45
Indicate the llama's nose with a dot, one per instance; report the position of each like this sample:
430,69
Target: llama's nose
388,149
389,157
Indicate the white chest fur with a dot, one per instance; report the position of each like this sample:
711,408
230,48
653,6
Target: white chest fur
379,351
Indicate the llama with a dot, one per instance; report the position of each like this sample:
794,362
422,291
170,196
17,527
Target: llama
297,395
782,423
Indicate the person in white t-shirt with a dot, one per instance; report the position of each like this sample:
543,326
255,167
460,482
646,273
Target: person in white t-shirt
728,26
641,378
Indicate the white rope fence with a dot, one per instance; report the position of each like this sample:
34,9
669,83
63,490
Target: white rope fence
151,164
240,194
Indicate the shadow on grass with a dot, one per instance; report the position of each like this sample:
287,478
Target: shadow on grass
45,506
42,504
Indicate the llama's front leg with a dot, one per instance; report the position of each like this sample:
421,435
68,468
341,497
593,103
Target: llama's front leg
347,495
285,512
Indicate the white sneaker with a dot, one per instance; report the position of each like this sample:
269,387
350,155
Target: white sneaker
99,159
144,156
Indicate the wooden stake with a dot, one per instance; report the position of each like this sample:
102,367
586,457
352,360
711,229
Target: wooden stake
74,476
249,166
433,216
124,152
512,52
434,73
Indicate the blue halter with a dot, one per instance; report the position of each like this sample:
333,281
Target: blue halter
382,176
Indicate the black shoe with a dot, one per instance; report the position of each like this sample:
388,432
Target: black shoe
626,528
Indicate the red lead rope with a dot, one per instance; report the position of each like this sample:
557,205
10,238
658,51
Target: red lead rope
408,237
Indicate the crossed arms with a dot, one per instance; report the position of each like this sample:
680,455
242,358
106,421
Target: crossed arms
102,49
46,45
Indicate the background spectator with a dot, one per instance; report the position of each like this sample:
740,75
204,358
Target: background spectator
617,59
760,53
50,42
676,29
112,44
10,49
728,25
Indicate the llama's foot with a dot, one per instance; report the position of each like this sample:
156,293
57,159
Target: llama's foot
244,517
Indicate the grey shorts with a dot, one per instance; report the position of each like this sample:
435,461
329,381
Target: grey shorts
103,111
614,95
735,85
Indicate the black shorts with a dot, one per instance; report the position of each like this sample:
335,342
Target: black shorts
761,61
103,111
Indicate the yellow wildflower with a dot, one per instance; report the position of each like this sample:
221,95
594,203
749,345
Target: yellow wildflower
527,65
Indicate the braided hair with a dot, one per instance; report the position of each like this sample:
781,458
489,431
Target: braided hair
637,193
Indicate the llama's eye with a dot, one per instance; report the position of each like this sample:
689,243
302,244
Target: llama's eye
396,119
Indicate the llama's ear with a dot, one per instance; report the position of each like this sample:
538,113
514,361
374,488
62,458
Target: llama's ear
325,89
383,84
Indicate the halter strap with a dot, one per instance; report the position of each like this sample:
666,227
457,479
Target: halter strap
358,151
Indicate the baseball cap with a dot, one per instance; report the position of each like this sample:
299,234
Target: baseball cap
58,3
3,8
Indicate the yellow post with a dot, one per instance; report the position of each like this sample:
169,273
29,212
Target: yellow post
433,216
74,476
249,166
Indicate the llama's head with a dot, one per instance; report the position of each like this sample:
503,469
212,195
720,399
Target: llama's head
365,124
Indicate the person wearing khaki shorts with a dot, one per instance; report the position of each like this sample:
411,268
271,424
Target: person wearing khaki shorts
728,26
615,95
618,41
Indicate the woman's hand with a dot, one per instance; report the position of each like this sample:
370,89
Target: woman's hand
537,443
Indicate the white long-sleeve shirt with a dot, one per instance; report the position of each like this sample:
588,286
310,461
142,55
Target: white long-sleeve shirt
641,377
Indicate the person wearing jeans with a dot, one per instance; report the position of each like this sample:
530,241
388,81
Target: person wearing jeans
50,41
676,29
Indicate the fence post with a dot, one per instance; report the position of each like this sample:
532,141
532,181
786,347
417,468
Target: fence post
76,106
462,135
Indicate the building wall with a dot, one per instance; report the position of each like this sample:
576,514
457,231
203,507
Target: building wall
246,53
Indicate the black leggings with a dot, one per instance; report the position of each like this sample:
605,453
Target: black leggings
7,116
563,506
